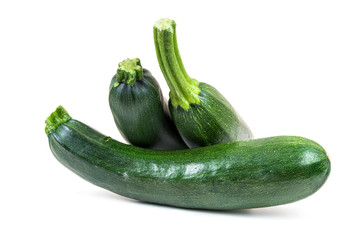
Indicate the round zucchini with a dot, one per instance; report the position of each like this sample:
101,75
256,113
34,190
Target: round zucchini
246,174
139,109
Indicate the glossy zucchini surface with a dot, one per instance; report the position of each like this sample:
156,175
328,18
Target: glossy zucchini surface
246,174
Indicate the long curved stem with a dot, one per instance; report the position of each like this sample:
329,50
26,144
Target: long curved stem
184,90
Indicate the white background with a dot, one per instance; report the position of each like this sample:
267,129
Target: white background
288,67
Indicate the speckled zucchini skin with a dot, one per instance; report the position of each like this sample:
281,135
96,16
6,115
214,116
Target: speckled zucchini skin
202,115
212,121
247,174
141,114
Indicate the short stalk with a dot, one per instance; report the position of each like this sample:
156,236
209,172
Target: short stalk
56,119
129,71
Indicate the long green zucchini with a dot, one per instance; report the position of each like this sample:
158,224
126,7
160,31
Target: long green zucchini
201,113
139,109
246,174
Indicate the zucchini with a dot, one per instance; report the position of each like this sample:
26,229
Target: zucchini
139,109
246,174
201,113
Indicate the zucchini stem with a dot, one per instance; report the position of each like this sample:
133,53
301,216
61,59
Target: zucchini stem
56,119
129,71
184,90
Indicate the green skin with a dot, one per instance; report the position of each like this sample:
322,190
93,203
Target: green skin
212,121
202,115
246,174
140,112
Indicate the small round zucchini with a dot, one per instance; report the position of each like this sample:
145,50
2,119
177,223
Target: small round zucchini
139,109
246,174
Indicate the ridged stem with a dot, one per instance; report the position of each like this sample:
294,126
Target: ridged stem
56,118
129,71
184,90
